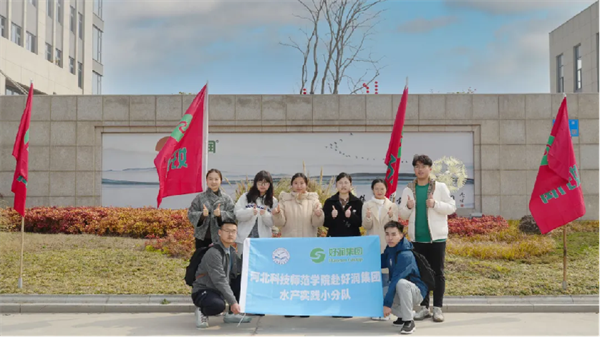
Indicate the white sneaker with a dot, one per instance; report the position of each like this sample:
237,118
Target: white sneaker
438,316
236,318
380,318
422,314
201,320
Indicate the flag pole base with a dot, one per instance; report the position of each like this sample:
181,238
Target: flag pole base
564,285
20,283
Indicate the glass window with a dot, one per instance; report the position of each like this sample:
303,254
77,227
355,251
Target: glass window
72,65
96,83
560,75
59,11
16,34
10,91
97,44
98,8
80,28
578,67
58,58
48,52
49,7
72,20
31,42
2,26
80,74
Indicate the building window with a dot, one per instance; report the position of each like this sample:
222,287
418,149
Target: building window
72,20
72,65
80,28
48,52
97,44
560,75
31,42
33,2
16,34
59,11
2,26
10,91
98,8
49,7
80,74
96,83
578,67
58,58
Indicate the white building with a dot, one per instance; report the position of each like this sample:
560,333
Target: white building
574,53
57,44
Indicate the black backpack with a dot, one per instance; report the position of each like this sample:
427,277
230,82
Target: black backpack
427,274
190,270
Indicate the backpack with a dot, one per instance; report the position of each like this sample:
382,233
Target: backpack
427,273
190,270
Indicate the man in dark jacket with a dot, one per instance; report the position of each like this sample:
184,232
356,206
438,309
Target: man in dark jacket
406,287
218,281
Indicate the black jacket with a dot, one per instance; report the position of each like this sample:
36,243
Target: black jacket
342,226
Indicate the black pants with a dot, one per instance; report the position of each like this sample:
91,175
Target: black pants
211,302
435,253
203,243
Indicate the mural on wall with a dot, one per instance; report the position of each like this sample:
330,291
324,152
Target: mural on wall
130,179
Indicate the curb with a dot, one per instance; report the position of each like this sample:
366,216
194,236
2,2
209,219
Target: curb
25,304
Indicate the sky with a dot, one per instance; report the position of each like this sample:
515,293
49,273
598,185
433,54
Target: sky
166,47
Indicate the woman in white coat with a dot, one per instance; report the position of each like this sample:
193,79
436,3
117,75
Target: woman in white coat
375,214
253,210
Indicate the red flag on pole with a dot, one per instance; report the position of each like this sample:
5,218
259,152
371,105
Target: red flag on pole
557,198
392,158
21,154
182,161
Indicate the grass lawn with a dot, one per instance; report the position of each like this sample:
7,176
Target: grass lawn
87,264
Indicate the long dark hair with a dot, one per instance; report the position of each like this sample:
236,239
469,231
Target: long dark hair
254,193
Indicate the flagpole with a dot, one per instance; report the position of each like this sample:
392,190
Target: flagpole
22,247
564,282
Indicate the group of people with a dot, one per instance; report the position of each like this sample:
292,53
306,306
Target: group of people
220,223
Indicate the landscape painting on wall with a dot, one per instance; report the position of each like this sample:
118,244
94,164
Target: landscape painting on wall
129,178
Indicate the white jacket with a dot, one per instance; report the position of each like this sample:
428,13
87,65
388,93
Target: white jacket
297,218
437,217
244,213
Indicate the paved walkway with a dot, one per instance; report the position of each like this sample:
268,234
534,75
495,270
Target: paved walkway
183,304
456,324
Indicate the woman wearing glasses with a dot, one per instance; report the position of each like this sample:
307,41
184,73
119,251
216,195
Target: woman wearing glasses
253,210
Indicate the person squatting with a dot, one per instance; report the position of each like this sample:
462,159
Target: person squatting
220,225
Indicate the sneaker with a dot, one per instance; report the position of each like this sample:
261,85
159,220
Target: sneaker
438,316
422,314
236,318
398,322
408,327
201,320
383,318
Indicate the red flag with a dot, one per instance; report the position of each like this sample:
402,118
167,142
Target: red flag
182,160
392,158
557,198
21,154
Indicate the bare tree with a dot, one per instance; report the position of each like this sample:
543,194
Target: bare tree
343,27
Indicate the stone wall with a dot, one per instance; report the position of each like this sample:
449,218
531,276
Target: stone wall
510,132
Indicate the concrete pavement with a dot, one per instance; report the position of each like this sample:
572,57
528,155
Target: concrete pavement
183,304
456,324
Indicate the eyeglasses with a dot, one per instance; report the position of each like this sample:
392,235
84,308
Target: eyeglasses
263,183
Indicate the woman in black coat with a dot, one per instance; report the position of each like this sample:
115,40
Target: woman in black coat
343,210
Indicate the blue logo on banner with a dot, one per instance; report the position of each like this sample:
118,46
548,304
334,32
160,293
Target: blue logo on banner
573,127
313,276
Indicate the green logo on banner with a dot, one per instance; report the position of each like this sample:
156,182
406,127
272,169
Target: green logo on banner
22,180
183,125
545,157
317,255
